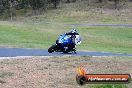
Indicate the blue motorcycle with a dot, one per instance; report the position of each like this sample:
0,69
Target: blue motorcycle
66,43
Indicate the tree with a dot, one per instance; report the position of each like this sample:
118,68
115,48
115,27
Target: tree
100,1
1,7
13,4
38,6
55,3
68,1
116,3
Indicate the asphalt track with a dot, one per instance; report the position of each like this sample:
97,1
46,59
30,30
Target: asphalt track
99,25
13,52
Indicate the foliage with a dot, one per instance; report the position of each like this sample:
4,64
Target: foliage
8,8
12,5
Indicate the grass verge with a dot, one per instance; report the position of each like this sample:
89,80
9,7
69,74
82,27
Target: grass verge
56,72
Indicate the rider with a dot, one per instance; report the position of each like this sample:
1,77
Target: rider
72,34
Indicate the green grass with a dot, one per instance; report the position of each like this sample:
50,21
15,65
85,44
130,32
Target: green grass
21,37
107,39
108,86
42,35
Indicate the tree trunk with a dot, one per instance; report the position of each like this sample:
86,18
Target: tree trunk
55,3
68,1
116,3
74,1
100,1
12,9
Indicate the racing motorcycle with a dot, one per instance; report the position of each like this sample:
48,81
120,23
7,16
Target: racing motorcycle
66,42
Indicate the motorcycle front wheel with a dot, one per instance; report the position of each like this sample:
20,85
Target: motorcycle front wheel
52,48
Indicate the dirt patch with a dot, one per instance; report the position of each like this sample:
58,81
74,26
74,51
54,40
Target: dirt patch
57,72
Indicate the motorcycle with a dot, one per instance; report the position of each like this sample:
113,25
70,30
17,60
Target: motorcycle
65,44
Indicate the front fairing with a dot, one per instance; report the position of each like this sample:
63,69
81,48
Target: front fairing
64,39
